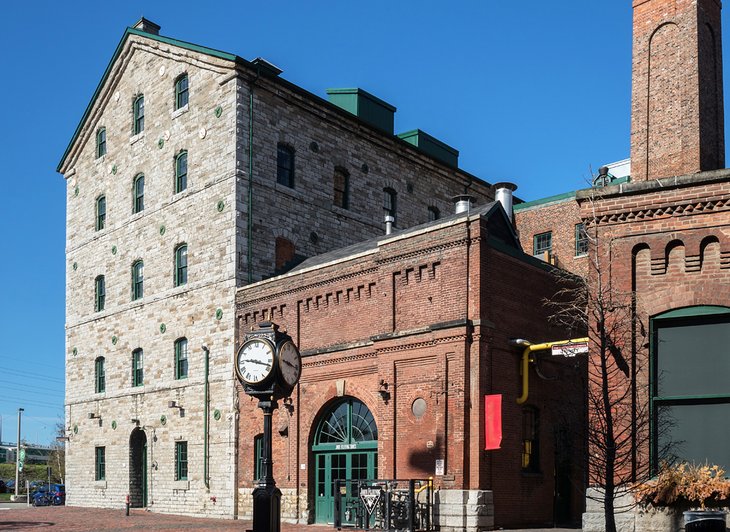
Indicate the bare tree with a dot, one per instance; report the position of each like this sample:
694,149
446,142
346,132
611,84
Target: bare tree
57,458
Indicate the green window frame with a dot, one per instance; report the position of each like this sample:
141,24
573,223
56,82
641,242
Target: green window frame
530,440
137,367
285,165
181,460
581,240
138,194
181,265
689,389
181,358
258,455
137,280
101,142
99,375
100,213
542,242
181,91
99,293
341,188
100,463
390,202
181,171
138,115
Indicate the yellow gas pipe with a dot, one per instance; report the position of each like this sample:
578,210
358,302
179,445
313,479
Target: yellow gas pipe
526,359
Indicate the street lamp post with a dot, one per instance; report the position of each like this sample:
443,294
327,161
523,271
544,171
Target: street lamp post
17,456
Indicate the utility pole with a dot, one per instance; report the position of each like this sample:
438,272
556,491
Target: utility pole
17,457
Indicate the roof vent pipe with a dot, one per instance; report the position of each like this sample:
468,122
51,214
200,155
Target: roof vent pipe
389,224
503,194
462,203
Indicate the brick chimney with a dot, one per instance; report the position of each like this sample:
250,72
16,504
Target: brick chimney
677,105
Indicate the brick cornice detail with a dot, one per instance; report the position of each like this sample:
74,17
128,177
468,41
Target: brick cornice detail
683,209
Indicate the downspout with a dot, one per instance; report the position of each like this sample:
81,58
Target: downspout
206,476
526,359
249,234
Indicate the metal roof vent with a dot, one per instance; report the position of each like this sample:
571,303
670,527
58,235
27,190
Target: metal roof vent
389,224
503,194
147,26
266,67
462,203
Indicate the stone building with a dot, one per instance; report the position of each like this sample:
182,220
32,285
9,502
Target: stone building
402,338
194,172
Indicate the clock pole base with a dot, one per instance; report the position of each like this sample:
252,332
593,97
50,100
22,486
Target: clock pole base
266,509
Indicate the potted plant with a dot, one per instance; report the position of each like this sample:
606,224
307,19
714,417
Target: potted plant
698,490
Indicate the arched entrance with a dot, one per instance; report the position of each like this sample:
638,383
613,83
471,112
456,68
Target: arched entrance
138,469
345,447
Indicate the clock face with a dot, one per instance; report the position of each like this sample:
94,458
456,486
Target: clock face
255,361
290,363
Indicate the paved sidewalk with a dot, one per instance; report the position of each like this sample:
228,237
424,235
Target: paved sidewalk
73,519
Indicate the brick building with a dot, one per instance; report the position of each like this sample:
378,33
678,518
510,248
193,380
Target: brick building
192,172
409,332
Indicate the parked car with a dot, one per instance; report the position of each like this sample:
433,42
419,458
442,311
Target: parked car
10,485
43,496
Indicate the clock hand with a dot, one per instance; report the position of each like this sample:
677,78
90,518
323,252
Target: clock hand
289,364
256,361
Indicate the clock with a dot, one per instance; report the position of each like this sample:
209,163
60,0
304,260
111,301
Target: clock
290,363
255,361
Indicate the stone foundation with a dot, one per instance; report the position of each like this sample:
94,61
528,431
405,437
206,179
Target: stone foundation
289,512
463,510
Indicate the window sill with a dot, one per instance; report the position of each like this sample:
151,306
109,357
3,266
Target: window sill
100,159
581,256
135,138
100,484
182,485
180,112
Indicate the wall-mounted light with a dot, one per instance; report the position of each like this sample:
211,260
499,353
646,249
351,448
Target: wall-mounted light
172,404
383,390
94,415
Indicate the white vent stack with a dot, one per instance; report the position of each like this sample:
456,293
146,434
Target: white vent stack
462,203
503,194
389,224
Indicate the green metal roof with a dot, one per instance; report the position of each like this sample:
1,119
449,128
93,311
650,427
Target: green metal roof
543,201
133,31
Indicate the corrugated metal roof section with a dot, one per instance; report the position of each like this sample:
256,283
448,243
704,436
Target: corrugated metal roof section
432,146
365,106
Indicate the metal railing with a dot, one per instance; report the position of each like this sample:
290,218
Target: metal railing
390,505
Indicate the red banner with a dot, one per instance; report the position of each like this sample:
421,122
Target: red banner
493,421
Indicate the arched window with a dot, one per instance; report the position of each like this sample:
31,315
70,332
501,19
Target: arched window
181,91
181,265
181,358
283,254
101,142
138,115
137,367
138,194
341,188
390,202
100,213
99,375
348,422
285,165
181,171
99,293
433,213
530,439
137,280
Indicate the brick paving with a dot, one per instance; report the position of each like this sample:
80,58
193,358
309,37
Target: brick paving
74,519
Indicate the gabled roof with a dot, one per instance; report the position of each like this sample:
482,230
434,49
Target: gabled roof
134,31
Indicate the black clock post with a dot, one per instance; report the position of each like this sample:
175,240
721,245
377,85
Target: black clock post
268,364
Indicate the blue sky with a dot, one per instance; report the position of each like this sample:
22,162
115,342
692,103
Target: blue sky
533,92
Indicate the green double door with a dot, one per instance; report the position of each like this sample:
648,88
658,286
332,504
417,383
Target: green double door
345,448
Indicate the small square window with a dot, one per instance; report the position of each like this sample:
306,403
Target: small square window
543,243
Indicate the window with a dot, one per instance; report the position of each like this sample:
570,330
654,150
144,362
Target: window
181,91
100,467
581,240
181,171
181,358
138,194
543,243
101,142
285,165
389,202
530,440
138,111
690,391
99,376
137,367
99,293
258,454
181,265
100,213
137,280
433,214
181,460
342,188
